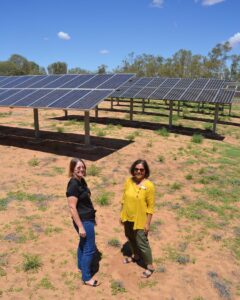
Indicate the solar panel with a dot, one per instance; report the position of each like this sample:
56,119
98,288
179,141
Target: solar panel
214,84
90,100
207,96
42,83
32,98
96,81
170,82
8,80
69,99
145,93
45,101
119,92
191,94
130,92
31,81
159,93
16,97
156,82
3,78
174,94
199,83
142,82
184,83
14,83
60,81
7,94
114,82
225,96
75,83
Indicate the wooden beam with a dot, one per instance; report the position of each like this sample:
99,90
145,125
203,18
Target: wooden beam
178,112
36,122
230,109
215,117
170,113
87,128
66,113
111,103
131,109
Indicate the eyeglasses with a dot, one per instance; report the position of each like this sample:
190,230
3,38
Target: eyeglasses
139,169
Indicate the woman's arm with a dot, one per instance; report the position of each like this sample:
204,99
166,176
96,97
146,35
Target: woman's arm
72,204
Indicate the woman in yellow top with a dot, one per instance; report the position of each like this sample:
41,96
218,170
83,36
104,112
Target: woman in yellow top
136,213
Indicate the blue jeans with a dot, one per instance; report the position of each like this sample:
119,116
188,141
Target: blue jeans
86,250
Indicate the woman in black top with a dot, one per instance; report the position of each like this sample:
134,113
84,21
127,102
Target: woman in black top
83,215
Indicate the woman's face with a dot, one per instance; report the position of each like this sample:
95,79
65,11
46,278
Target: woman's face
139,172
79,170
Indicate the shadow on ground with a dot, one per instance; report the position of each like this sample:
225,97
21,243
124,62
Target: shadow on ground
145,125
66,144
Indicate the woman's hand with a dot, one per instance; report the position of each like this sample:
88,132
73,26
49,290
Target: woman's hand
82,232
146,228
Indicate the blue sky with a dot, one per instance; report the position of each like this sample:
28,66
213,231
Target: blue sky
88,33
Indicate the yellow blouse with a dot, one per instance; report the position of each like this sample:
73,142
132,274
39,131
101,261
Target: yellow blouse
137,202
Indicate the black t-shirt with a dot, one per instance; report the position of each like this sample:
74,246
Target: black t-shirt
80,190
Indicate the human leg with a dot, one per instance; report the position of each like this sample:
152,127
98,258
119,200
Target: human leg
131,236
88,250
146,252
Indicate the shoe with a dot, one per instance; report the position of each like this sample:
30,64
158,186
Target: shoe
94,284
147,273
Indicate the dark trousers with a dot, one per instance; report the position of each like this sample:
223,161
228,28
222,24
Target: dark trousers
138,242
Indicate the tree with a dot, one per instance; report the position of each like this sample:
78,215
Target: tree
57,68
35,69
102,69
78,71
21,64
235,67
7,68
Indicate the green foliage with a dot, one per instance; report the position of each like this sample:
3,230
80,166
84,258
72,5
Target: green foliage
133,135
93,170
189,177
100,132
163,132
58,170
104,198
34,162
57,68
114,242
45,283
197,138
60,129
31,262
117,287
176,186
3,203
161,158
2,272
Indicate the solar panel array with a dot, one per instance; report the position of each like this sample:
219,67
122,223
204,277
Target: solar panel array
59,91
180,89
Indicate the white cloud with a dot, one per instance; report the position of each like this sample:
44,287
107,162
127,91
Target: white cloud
234,40
64,36
157,3
104,51
210,2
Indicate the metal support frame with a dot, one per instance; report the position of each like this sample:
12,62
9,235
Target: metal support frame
36,122
131,109
118,101
65,113
96,112
230,109
170,113
178,111
111,103
87,128
215,117
143,105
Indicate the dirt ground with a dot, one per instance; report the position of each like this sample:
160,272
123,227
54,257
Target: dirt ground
195,233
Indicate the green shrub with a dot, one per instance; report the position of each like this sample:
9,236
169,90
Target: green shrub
163,132
93,170
189,177
114,243
31,262
117,287
161,158
104,199
197,138
34,162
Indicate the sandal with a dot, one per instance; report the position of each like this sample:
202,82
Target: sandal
128,260
94,284
147,273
